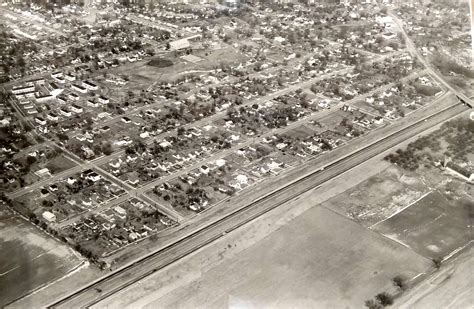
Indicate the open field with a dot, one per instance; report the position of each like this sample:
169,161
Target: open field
434,226
449,288
29,258
319,259
145,72
59,164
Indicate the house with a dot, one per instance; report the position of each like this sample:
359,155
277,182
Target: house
60,79
57,74
103,100
92,103
93,176
76,108
23,89
55,90
204,169
65,112
180,44
38,81
88,153
69,77
73,96
43,98
49,216
79,88
61,99
5,121
52,116
126,120
40,121
90,85
133,179
103,115
44,172
87,172
133,236
121,213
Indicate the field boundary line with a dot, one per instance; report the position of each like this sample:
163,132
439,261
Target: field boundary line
400,210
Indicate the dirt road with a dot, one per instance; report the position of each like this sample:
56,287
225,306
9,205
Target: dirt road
451,287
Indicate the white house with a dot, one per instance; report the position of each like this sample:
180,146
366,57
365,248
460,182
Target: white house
49,216
70,77
103,100
65,112
92,103
40,121
76,108
44,98
90,85
79,88
23,89
180,44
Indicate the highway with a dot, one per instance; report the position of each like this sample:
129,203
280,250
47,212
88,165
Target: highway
127,275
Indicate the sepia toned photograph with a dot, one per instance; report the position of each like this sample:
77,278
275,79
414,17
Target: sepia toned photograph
237,154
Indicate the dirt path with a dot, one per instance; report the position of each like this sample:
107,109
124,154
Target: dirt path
451,287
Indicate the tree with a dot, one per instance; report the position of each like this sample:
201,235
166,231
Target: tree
30,160
107,148
384,298
437,262
21,62
399,282
373,304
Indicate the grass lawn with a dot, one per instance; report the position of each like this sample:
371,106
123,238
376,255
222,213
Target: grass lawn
59,164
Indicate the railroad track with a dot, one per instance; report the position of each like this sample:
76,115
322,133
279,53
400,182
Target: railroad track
128,275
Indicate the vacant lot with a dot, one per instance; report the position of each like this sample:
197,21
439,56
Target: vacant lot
319,260
59,164
434,226
28,258
379,196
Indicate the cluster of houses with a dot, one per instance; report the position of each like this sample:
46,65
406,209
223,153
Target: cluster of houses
61,88
118,226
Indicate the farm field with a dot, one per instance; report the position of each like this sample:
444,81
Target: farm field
379,196
434,226
29,258
318,255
